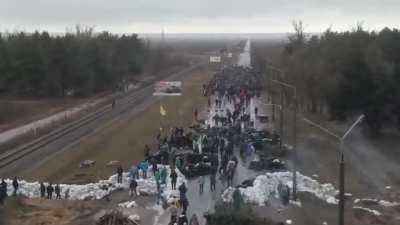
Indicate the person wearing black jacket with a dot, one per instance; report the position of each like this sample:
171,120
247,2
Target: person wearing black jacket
57,190
173,177
15,185
42,190
119,173
182,190
50,190
3,192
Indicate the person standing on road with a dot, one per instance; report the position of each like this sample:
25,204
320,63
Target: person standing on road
119,173
213,181
134,173
42,190
15,185
144,165
163,175
185,204
201,184
159,191
173,177
154,166
50,190
132,187
182,190
57,190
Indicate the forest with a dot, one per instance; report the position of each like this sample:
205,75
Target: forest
343,74
82,63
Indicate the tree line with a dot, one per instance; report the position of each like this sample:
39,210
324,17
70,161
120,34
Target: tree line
346,73
81,63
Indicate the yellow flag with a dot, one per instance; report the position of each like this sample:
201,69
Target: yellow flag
163,112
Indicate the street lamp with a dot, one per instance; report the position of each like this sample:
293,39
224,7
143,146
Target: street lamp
341,160
283,84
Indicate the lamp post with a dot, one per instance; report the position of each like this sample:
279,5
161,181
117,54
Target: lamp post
283,84
341,161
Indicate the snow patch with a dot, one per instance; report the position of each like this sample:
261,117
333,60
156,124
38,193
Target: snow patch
374,212
380,202
128,205
134,217
266,186
100,189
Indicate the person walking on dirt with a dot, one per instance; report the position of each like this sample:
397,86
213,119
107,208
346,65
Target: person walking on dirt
146,152
42,190
196,114
57,190
194,220
173,177
113,103
119,174
202,180
50,190
213,181
15,185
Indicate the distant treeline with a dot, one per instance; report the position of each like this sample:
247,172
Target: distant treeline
346,73
82,63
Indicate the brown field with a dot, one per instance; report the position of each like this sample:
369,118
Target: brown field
124,139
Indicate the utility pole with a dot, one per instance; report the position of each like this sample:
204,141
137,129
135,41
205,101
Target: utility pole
341,188
341,162
295,148
281,120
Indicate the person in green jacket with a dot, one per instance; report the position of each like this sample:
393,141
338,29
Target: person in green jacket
164,175
157,176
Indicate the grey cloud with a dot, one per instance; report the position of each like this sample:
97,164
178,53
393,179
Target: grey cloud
125,13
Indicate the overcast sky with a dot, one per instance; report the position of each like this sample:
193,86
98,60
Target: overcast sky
197,16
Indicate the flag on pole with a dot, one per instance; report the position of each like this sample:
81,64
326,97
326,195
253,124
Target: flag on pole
163,112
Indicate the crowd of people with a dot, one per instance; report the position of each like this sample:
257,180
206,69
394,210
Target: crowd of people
205,150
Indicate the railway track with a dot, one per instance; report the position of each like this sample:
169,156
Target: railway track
124,104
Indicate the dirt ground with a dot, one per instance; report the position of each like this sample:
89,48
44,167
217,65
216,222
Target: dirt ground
47,212
124,139
16,112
